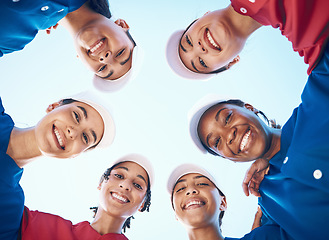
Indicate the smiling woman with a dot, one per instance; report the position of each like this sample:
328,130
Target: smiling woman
69,128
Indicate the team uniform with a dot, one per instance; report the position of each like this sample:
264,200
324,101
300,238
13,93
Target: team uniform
304,22
11,193
20,20
295,193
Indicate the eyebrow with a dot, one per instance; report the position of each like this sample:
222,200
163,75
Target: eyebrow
210,134
109,75
138,175
94,135
207,139
194,66
84,111
125,61
184,180
181,46
217,114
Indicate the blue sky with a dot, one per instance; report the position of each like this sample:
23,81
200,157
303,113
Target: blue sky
150,113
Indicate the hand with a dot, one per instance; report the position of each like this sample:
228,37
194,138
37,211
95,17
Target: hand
257,220
49,29
254,176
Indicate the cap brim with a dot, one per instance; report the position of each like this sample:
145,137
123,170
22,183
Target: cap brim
117,84
185,169
175,63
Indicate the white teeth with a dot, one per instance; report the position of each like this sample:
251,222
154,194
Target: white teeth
211,40
119,197
193,203
58,136
96,47
244,140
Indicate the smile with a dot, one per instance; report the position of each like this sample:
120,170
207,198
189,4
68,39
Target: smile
245,140
120,198
194,204
211,41
96,46
59,138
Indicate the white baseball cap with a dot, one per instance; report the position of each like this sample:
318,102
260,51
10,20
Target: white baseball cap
116,84
140,160
103,109
185,169
176,64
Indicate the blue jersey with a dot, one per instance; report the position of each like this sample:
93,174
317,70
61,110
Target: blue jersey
11,193
20,20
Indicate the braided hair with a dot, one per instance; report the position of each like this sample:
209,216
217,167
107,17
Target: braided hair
147,203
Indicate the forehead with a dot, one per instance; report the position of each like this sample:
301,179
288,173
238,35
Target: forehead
133,168
191,177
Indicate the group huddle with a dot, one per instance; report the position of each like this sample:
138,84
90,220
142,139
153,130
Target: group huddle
290,169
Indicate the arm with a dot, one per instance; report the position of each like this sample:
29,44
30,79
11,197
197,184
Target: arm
257,220
254,176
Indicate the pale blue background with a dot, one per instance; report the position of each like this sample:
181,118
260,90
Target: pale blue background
150,113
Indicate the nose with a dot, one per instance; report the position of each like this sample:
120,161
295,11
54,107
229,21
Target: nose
231,135
201,47
192,190
105,56
125,185
72,132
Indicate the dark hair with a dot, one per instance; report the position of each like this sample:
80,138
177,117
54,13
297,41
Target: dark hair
271,123
100,6
221,215
147,202
221,69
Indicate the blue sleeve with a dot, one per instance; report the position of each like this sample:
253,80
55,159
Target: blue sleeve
267,232
11,193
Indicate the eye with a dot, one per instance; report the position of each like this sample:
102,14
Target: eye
217,142
102,68
76,116
85,137
138,186
227,119
118,176
188,41
203,63
120,52
203,184
180,189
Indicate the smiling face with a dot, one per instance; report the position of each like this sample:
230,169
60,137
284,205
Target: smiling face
234,132
69,130
197,201
209,44
123,193
105,47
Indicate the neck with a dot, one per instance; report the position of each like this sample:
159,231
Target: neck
105,223
205,233
23,146
76,20
275,144
242,26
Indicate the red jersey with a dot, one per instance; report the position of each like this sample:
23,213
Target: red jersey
304,22
44,226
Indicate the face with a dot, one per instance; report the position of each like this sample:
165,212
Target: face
105,48
125,190
69,130
196,200
234,132
209,44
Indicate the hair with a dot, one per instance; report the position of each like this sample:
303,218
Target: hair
147,203
221,215
221,69
271,123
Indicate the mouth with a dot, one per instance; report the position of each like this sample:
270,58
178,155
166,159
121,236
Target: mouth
59,140
211,41
245,140
120,198
192,204
96,48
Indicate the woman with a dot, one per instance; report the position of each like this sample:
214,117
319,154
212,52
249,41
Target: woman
294,193
211,44
103,45
199,204
125,188
71,126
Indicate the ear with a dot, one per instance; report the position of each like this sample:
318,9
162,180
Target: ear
141,207
206,13
234,61
223,205
122,23
52,107
251,107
